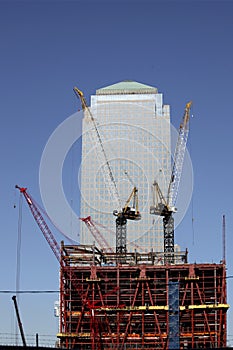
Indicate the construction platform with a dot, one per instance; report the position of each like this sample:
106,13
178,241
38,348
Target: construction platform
109,301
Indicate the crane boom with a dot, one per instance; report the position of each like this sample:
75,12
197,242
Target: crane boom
96,233
179,157
96,138
56,250
41,222
47,233
166,207
131,213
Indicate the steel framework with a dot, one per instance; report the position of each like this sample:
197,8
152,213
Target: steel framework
126,306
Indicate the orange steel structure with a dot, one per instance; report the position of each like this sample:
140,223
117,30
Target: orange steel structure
108,305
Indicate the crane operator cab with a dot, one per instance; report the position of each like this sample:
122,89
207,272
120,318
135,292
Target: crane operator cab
130,213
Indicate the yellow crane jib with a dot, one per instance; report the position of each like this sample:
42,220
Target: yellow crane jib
80,95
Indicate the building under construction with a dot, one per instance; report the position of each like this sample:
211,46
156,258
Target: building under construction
140,303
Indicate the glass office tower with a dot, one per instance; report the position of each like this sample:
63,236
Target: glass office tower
134,128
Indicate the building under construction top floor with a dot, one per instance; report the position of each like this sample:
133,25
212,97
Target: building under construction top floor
136,302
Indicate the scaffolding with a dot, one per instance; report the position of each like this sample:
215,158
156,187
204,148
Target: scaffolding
105,304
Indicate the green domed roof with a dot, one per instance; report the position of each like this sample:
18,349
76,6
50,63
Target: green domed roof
127,87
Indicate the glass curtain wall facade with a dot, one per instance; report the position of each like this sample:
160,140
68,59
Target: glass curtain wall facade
134,129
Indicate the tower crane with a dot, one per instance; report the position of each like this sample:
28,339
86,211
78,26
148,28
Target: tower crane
165,206
127,212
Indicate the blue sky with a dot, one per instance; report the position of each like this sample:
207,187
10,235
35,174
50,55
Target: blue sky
184,48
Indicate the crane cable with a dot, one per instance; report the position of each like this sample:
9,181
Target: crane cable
18,255
19,238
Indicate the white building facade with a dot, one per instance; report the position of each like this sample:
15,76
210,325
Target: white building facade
134,128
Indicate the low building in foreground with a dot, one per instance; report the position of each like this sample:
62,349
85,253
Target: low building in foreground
114,302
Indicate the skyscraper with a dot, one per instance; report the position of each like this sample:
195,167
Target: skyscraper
134,128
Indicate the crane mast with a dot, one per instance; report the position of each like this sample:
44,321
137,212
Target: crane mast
122,214
165,207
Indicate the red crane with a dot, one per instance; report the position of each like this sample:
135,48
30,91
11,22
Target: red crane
94,326
100,239
41,223
46,232
96,234
49,237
